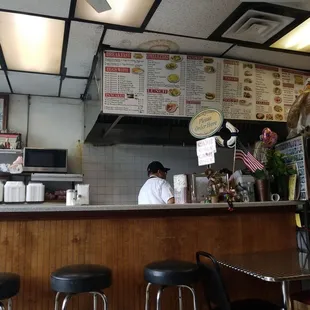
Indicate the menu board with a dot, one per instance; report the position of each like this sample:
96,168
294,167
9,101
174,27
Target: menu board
160,84
203,83
238,90
165,84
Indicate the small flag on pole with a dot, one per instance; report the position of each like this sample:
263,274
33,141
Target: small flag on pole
248,159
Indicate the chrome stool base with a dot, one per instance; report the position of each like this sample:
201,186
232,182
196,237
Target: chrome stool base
9,302
160,291
67,298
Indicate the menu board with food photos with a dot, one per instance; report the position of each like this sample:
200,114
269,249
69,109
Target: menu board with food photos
203,83
238,88
161,84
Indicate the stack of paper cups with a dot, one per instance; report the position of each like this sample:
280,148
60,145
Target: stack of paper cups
180,188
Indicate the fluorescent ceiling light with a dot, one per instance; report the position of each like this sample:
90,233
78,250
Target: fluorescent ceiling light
31,43
296,40
124,12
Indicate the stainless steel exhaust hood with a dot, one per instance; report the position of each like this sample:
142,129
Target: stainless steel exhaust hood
117,129
113,129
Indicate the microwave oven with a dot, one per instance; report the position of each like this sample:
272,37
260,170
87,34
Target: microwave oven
45,160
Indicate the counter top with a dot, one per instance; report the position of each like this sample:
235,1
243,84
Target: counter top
53,207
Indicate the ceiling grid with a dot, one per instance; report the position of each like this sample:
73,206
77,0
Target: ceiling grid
183,26
34,84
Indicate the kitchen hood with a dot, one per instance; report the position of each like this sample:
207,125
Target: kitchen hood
120,129
115,129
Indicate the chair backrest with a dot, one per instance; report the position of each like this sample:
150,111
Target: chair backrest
212,281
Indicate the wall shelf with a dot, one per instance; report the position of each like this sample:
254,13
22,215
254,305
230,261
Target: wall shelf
57,177
11,151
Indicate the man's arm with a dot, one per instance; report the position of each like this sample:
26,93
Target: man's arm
171,201
167,193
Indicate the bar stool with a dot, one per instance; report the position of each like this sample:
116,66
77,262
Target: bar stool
9,287
76,279
170,273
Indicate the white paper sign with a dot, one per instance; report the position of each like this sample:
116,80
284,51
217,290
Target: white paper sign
206,146
206,159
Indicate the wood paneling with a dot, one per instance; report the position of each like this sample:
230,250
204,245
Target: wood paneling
34,248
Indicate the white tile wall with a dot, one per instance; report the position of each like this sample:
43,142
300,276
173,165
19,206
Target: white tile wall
116,173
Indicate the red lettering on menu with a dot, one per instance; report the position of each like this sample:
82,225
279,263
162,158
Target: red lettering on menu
269,68
193,102
294,72
157,56
262,102
157,91
230,100
193,57
231,62
111,95
117,69
118,54
230,78
288,85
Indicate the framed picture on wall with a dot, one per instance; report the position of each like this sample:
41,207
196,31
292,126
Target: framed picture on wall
4,108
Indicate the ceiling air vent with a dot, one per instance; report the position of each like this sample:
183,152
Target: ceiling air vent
257,27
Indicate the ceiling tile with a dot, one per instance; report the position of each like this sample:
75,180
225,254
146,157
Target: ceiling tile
191,17
73,87
4,86
270,57
301,4
34,84
123,12
31,43
164,43
58,8
83,44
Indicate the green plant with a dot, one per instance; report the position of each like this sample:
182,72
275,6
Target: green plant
276,165
259,174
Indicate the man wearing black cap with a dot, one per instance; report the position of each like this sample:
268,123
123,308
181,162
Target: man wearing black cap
156,190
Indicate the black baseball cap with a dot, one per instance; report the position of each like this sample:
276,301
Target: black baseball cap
154,166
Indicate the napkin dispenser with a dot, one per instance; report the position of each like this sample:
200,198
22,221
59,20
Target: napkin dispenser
82,191
197,187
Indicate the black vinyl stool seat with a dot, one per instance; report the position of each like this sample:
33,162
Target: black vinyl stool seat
9,287
171,273
76,279
81,278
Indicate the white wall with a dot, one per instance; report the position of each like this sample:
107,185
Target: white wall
53,122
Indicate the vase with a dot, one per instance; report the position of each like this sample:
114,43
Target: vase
262,190
214,199
281,186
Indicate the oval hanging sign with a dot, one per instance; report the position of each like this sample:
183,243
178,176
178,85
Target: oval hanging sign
206,123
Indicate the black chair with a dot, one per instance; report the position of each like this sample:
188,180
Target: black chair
171,273
9,287
76,279
215,291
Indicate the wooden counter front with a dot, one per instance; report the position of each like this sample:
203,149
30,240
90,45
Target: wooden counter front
35,247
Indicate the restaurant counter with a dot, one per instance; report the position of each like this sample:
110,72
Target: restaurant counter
58,207
35,239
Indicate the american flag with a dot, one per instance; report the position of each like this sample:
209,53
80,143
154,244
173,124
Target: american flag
248,159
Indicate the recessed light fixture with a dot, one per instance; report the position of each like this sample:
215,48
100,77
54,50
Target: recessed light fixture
296,40
31,43
129,13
